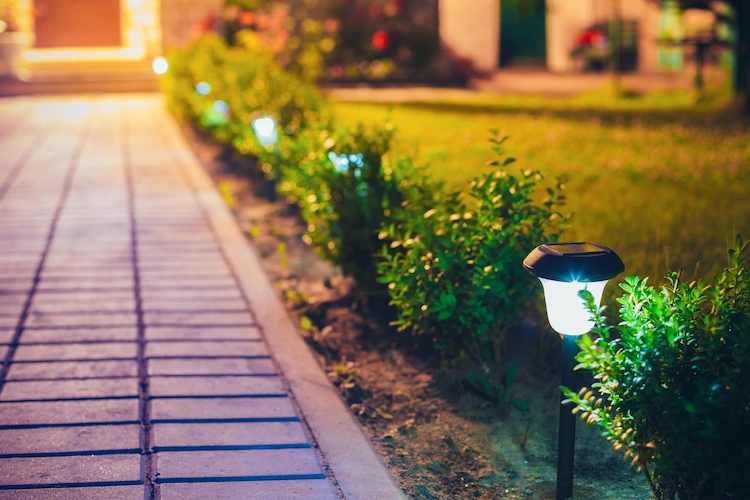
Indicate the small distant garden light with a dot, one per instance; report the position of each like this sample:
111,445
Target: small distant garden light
203,88
221,107
341,162
564,270
265,131
159,65
215,115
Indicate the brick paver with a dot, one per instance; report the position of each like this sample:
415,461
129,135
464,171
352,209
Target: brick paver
132,367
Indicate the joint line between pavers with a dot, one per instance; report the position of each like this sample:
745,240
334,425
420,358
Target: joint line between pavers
238,447
191,287
259,356
201,325
64,291
79,312
221,396
249,420
78,341
67,185
239,479
203,340
72,360
195,311
151,491
191,326
80,327
82,453
68,379
94,484
212,375
67,424
58,400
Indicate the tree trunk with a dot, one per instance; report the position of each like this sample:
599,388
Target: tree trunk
742,53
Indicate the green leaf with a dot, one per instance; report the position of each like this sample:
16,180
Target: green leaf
688,406
511,373
305,323
520,404
481,383
444,314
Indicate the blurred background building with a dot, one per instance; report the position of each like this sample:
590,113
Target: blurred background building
353,40
570,35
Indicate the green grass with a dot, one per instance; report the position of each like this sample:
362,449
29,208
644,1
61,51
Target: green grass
662,181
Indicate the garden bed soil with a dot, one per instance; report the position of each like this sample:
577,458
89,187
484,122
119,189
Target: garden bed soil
440,438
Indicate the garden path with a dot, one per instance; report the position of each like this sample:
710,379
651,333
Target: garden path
143,352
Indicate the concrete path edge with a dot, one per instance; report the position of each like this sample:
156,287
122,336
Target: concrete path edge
355,465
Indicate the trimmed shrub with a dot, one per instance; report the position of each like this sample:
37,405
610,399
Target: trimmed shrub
348,189
453,271
674,382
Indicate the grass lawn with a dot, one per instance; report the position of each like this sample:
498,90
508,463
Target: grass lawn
664,183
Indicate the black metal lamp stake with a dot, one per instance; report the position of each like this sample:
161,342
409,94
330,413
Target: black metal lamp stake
564,270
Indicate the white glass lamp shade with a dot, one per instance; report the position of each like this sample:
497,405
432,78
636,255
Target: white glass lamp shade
265,131
159,65
567,311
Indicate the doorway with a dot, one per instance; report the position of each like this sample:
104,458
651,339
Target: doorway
77,23
523,34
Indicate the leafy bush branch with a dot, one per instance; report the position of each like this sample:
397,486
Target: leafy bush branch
673,386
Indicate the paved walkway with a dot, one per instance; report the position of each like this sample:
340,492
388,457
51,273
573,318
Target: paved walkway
136,327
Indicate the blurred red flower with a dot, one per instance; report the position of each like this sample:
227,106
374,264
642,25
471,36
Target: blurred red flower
246,18
380,40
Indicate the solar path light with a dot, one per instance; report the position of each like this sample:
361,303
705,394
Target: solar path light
160,65
265,131
564,270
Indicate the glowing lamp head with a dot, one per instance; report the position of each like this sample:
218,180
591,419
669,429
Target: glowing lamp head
159,65
564,270
265,131
203,88
221,107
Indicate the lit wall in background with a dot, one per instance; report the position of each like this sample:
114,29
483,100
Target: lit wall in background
140,30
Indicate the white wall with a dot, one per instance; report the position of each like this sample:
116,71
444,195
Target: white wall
647,14
471,29
564,19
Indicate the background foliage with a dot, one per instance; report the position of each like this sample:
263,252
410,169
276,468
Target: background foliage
336,40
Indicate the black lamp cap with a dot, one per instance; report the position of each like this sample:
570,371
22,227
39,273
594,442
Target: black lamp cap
573,261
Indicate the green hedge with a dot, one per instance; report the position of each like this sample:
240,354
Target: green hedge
249,84
365,204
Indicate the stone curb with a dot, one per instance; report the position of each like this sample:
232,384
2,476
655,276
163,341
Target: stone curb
356,466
